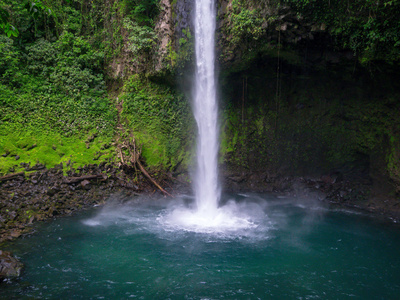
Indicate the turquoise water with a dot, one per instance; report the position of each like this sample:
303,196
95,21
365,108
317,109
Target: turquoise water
289,250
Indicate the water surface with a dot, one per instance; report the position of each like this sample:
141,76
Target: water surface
286,250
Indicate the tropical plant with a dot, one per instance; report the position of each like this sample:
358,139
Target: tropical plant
8,28
370,28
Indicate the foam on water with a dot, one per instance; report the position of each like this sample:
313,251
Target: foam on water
170,219
92,222
224,219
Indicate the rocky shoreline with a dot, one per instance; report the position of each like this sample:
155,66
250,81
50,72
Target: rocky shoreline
356,191
39,194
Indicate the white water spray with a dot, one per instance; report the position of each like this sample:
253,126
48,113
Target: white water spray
207,191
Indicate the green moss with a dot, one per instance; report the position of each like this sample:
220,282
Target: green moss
50,149
58,101
160,120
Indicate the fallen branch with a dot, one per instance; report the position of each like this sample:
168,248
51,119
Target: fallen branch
11,176
85,177
143,170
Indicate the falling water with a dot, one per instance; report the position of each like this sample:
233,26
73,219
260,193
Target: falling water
207,191
208,217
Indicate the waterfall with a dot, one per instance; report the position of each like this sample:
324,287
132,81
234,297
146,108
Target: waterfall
207,191
208,217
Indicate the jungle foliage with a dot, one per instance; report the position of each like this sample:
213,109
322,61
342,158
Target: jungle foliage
246,23
53,74
370,28
52,84
54,62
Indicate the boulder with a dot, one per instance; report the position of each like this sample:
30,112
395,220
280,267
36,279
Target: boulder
10,267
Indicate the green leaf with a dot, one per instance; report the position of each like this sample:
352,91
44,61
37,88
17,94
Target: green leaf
14,33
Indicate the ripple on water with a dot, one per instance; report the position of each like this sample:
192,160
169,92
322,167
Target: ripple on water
252,248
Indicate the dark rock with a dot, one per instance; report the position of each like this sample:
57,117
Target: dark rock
85,184
31,147
15,233
38,167
26,166
9,266
52,191
58,167
12,215
17,157
237,179
6,154
46,194
327,179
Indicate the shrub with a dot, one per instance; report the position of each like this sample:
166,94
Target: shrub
9,61
70,65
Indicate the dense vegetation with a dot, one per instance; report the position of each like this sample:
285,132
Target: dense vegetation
53,92
79,76
55,103
370,28
158,118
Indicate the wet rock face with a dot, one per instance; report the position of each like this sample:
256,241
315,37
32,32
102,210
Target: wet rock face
183,13
10,267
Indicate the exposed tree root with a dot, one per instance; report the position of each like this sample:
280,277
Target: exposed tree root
134,160
143,170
